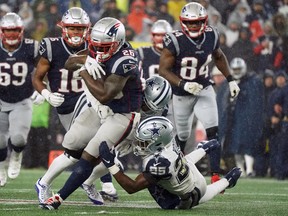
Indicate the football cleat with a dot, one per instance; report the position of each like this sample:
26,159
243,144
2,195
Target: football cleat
109,192
43,191
93,194
14,164
209,145
52,203
232,176
3,175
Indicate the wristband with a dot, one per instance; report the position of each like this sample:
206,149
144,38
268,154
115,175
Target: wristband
181,84
229,78
114,169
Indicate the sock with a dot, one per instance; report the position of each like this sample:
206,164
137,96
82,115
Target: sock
214,157
239,160
214,189
3,154
195,155
106,178
249,160
77,178
181,143
97,172
58,165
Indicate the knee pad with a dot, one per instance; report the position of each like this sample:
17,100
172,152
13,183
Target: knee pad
17,148
212,133
3,154
75,154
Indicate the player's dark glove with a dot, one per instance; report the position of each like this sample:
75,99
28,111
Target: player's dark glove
108,158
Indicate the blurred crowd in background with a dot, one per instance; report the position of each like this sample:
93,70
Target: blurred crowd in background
254,30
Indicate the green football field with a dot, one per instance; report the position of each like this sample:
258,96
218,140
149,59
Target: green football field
263,197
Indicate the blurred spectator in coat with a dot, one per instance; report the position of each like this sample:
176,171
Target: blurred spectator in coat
215,21
53,17
243,48
26,13
41,30
4,8
151,7
267,49
262,151
281,110
232,33
94,9
112,10
256,19
41,8
228,9
209,8
240,120
275,124
163,14
284,8
136,16
280,24
239,14
130,33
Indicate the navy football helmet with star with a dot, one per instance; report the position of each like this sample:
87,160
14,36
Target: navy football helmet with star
153,134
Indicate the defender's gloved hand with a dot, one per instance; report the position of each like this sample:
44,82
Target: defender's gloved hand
108,158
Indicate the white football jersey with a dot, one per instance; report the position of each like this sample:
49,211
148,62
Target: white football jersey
170,169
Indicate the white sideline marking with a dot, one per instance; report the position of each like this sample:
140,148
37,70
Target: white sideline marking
130,204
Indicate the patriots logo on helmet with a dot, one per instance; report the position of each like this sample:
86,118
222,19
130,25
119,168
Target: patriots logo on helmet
113,30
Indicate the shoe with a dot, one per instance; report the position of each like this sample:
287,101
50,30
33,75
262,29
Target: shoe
232,176
14,164
109,192
52,203
43,191
93,194
3,175
214,178
209,145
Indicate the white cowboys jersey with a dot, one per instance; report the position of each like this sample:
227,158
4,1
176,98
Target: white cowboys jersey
170,170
